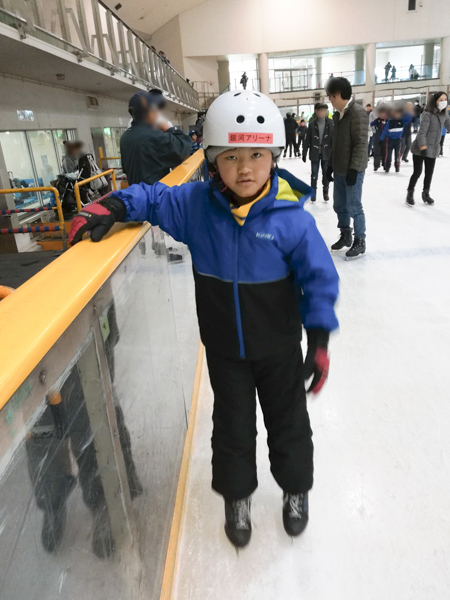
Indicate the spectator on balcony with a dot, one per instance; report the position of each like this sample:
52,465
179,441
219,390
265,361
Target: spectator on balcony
151,147
387,68
394,73
318,143
244,80
164,57
411,71
349,163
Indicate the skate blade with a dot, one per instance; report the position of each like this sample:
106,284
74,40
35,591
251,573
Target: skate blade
410,205
354,257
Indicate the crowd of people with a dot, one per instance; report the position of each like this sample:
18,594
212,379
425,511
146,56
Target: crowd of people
261,267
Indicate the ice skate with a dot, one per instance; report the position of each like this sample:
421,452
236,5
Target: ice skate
238,526
326,196
345,241
427,198
397,169
357,250
410,198
295,513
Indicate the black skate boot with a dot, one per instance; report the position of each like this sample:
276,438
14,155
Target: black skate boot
102,540
426,197
397,169
295,513
314,195
326,196
357,250
410,198
238,525
345,241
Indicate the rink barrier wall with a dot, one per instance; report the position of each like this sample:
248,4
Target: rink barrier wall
180,499
37,314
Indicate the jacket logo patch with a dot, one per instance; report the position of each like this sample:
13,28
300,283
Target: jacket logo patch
265,236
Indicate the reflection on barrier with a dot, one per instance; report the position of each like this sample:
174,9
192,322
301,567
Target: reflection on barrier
93,420
88,180
40,209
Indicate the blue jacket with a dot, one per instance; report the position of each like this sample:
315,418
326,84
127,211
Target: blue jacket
255,283
394,127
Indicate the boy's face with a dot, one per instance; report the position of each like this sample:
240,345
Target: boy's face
321,113
397,114
194,137
245,170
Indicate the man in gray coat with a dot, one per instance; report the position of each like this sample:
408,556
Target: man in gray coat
349,163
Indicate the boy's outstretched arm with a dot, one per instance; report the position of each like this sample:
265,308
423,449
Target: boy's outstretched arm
385,131
159,204
318,282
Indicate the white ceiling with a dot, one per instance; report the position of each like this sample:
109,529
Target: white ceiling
149,15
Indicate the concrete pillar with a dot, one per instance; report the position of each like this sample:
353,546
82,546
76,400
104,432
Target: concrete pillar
359,66
319,77
370,63
223,74
263,67
445,61
428,54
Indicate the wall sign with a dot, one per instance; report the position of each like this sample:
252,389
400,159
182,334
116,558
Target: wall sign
25,115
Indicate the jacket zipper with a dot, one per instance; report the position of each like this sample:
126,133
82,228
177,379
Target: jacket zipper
237,307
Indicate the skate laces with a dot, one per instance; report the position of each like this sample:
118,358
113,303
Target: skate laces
241,512
295,505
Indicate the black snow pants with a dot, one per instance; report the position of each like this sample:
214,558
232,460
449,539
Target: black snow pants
395,147
281,391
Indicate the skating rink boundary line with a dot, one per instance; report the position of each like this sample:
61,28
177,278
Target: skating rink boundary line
180,500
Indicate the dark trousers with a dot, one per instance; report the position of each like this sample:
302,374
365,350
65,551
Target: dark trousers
315,165
442,144
405,146
393,146
281,391
379,153
290,143
418,165
370,149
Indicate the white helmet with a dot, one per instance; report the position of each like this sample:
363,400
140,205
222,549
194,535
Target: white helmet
243,119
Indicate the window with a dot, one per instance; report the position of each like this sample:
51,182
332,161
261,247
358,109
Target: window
33,158
412,5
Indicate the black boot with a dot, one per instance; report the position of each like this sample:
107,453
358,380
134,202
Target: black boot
345,240
295,513
410,198
357,250
426,197
238,525
314,194
102,539
326,197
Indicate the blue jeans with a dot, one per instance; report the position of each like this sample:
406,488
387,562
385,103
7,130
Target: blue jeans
347,204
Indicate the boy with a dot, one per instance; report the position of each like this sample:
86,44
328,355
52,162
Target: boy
318,142
379,148
194,138
393,131
259,263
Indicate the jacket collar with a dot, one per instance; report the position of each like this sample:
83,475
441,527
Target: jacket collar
286,191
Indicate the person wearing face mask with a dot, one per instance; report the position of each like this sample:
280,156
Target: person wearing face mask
151,146
427,145
73,151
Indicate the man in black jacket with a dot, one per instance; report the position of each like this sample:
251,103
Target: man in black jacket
318,142
290,126
151,147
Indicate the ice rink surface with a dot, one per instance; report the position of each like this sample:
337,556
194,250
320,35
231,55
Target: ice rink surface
380,508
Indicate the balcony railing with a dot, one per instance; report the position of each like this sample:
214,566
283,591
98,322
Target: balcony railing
406,73
90,31
309,79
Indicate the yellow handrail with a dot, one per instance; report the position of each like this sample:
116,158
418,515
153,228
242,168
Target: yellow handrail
88,180
101,157
37,314
55,192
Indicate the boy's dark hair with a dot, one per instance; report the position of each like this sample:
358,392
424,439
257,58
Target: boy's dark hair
432,101
368,105
288,115
303,121
339,85
320,106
